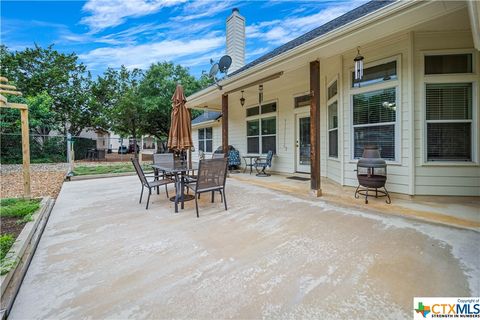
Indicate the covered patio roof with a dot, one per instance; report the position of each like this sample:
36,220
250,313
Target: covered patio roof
358,27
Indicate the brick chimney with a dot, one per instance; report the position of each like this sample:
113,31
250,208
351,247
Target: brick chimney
236,39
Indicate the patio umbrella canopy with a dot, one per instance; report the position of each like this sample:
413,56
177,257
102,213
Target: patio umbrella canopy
180,135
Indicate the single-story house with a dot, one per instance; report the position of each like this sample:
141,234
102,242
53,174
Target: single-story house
206,134
418,99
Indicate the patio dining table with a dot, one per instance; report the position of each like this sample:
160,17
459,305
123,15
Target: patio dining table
180,170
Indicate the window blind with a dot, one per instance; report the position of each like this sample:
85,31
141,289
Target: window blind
449,101
374,107
382,136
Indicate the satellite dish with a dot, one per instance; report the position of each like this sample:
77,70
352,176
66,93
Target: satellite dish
213,71
224,63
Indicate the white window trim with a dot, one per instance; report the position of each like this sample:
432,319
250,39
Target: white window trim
329,102
396,83
450,78
204,139
260,117
473,121
437,77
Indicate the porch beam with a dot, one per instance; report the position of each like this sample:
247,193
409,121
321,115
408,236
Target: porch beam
315,184
225,123
259,81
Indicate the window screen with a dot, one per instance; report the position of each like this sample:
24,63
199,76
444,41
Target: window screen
333,130
374,117
374,107
449,121
450,63
332,90
269,107
452,101
376,74
205,139
253,111
302,101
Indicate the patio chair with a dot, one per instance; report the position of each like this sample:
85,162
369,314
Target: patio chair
166,159
212,175
159,180
263,162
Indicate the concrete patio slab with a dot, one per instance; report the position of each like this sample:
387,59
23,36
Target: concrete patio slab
271,255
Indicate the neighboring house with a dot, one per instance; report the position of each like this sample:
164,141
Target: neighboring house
206,133
418,98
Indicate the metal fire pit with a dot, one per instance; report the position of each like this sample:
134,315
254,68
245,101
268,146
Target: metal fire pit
371,174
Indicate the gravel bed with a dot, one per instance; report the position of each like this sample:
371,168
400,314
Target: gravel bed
46,179
34,167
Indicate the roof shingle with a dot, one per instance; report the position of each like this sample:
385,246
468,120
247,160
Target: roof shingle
336,23
207,116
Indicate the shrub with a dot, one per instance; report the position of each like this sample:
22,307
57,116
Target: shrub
6,242
18,208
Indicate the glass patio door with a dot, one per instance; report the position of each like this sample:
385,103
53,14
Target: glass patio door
303,142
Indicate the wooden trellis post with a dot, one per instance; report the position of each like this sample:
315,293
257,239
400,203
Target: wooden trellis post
8,89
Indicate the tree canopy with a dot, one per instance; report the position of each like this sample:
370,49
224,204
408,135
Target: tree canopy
62,95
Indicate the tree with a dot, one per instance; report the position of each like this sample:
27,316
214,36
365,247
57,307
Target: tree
61,76
156,90
41,117
126,111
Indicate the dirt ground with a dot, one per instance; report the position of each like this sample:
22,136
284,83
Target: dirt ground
10,226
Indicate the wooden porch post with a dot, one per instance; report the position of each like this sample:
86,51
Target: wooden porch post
315,185
225,123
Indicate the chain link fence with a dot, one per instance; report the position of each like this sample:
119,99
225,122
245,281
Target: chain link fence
53,148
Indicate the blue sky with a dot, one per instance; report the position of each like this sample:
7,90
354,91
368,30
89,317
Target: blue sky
137,33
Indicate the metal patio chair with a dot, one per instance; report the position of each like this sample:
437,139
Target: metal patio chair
159,180
166,159
263,162
212,175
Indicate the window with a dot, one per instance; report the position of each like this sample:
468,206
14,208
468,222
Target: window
205,141
374,121
447,64
449,121
332,90
376,74
333,130
253,111
332,103
302,101
262,129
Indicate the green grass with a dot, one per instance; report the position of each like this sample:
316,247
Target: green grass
18,208
6,242
104,169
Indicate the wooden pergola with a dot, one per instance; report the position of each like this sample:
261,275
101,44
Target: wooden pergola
6,89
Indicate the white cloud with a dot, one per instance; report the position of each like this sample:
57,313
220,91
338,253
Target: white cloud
141,56
111,13
202,9
277,32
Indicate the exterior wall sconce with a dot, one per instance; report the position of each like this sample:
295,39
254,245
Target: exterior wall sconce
358,65
242,100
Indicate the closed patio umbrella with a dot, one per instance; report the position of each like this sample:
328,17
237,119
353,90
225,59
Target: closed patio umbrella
180,135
